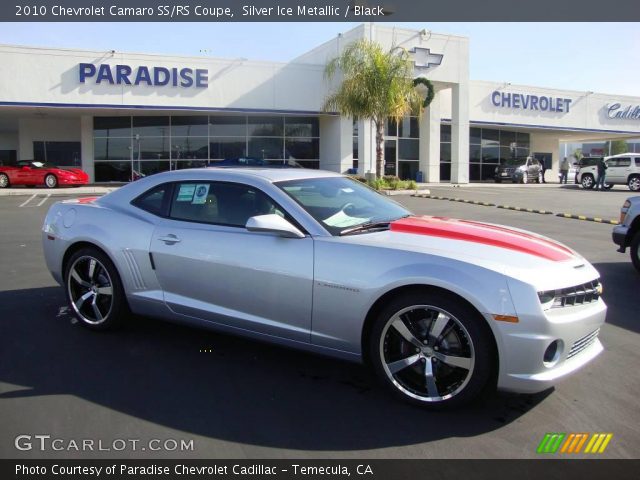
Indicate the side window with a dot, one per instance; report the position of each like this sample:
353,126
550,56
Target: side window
637,161
220,203
624,162
155,200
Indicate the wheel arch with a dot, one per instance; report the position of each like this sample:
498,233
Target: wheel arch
79,245
378,305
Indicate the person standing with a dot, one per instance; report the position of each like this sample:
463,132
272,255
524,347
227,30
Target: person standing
543,164
564,170
602,171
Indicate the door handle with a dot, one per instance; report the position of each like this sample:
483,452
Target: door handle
169,239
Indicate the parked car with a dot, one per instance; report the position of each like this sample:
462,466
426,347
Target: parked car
439,308
622,169
28,172
627,233
519,170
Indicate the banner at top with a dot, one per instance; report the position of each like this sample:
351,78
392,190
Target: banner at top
316,11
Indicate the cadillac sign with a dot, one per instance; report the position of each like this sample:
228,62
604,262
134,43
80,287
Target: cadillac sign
620,112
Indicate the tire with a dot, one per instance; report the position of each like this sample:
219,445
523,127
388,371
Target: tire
634,183
587,181
51,181
4,180
635,251
94,290
403,350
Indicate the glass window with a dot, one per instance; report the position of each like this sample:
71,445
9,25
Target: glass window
475,136
445,152
149,167
507,152
112,148
151,148
302,148
445,172
474,172
227,126
490,137
522,139
637,161
220,203
391,128
197,126
409,128
265,126
487,171
408,149
445,133
474,153
266,147
407,170
113,171
155,200
302,127
355,148
491,154
182,164
112,126
189,147
507,139
339,203
151,126
229,147
61,154
623,162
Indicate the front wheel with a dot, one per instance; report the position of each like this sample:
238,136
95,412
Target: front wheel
635,251
94,290
587,182
431,350
51,181
4,180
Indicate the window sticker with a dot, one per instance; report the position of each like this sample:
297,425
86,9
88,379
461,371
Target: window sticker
200,195
185,194
341,219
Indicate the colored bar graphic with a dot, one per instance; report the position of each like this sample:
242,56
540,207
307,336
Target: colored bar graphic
572,443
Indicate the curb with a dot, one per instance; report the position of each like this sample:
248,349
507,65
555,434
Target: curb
588,219
522,209
57,191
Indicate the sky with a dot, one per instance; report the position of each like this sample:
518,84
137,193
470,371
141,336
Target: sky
597,57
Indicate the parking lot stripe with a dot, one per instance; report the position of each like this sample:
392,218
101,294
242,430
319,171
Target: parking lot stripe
28,200
43,200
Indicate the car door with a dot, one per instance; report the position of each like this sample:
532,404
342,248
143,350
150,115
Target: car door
210,267
618,169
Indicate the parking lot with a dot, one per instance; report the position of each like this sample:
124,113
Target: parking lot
240,399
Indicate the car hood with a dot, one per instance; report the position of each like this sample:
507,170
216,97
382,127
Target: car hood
516,253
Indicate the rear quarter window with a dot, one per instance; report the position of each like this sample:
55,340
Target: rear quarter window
156,200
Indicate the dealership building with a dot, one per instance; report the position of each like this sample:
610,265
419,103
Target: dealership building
112,112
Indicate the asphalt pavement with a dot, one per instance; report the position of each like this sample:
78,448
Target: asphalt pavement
236,398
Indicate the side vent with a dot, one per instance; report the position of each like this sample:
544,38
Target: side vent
134,270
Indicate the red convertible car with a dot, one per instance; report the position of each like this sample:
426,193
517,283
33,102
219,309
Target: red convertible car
28,172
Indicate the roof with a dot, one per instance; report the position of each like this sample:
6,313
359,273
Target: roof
269,174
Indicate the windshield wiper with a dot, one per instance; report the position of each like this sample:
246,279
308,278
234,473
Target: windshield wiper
365,227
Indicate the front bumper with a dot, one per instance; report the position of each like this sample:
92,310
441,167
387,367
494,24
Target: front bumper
575,329
619,237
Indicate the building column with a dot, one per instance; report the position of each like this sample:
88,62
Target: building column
430,142
86,146
336,143
366,147
460,133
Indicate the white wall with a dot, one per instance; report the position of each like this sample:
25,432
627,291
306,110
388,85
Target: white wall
61,129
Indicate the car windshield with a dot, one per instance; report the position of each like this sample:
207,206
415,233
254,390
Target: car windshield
35,164
514,161
341,203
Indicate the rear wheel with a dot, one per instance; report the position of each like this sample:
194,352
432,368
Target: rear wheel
634,183
51,181
94,290
431,349
4,180
587,181
635,251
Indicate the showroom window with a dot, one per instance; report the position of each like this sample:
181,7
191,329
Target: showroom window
60,154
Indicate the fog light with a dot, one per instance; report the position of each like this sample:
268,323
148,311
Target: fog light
552,353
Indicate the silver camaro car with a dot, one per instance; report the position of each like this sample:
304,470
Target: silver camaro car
439,308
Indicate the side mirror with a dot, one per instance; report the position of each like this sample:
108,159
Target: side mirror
273,224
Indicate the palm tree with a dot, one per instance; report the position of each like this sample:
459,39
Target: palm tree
376,85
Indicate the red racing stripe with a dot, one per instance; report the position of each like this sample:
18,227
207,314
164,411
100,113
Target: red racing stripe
483,233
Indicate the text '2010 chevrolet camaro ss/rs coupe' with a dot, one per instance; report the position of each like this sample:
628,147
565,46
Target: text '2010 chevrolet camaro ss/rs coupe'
439,308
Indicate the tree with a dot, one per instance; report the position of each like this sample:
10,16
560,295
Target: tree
614,147
376,85
577,154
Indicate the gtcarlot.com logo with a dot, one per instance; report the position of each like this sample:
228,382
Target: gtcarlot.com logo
574,443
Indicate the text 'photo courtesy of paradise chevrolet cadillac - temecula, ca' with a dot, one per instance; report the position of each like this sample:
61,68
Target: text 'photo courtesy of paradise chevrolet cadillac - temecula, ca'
440,309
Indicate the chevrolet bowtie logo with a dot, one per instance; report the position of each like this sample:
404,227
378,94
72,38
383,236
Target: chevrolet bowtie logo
423,58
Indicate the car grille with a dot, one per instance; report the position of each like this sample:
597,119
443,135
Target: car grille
578,295
583,343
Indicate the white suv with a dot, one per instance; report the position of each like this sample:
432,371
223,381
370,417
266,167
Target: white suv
622,169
